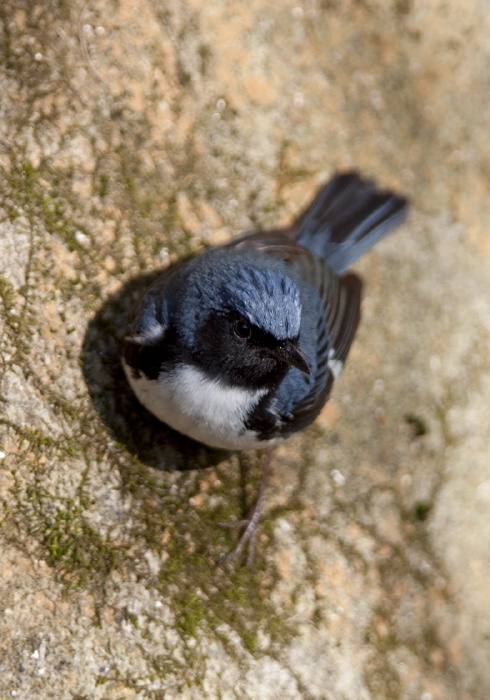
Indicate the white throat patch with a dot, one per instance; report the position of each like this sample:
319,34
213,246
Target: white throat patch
202,408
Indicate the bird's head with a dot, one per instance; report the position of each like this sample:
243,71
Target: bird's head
234,316
240,319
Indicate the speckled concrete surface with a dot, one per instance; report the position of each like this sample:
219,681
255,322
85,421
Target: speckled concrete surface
134,132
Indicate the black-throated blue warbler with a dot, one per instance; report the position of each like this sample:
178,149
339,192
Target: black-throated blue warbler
239,347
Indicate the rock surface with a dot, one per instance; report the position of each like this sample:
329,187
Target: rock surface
137,131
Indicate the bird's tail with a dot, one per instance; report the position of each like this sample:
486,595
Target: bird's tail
347,217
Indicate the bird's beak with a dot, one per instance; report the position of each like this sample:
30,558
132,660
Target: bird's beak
289,352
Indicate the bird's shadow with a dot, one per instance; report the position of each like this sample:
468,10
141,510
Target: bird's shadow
128,421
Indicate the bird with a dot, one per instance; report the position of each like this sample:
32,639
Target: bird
239,346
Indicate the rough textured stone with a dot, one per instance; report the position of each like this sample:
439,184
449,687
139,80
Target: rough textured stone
135,132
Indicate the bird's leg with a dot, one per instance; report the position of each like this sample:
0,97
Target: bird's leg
249,535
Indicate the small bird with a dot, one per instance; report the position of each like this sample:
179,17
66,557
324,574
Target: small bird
239,346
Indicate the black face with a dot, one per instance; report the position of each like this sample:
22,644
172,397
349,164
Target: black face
231,348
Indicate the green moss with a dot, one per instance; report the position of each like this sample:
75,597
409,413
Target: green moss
7,295
191,614
249,640
422,510
76,551
203,596
104,185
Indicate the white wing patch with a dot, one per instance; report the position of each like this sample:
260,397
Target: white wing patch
335,366
153,333
202,408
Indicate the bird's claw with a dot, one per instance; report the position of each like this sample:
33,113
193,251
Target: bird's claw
247,539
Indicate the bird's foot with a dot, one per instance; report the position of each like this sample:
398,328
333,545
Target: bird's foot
248,537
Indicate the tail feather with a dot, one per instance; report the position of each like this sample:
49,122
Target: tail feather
347,217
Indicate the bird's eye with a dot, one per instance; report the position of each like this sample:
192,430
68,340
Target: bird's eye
241,329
